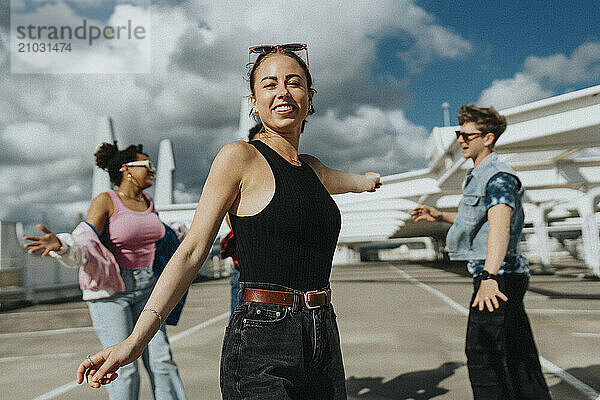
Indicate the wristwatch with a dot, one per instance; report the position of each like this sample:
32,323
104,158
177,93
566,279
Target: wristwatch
485,275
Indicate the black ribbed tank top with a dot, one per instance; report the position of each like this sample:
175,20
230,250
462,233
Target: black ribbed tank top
292,240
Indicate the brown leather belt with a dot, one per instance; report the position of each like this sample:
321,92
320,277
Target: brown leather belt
310,299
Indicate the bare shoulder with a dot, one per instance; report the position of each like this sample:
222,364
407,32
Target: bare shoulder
101,208
233,161
101,203
236,152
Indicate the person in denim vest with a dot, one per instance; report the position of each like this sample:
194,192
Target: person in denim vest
501,354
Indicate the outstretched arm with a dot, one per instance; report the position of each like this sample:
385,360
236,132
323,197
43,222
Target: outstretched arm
338,182
62,245
220,190
431,214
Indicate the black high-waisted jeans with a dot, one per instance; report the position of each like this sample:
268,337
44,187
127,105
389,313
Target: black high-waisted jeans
281,352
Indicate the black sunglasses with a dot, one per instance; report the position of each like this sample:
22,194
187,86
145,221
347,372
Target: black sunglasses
467,137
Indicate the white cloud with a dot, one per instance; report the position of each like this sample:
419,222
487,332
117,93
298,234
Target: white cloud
35,141
520,89
431,40
17,5
582,66
541,77
370,140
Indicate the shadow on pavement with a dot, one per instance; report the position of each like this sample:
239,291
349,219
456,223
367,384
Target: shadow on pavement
419,385
590,375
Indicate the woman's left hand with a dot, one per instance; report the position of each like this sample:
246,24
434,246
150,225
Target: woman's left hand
372,181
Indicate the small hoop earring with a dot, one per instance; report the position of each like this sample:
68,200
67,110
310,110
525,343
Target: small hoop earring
311,109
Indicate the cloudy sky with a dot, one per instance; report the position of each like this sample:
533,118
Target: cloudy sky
382,69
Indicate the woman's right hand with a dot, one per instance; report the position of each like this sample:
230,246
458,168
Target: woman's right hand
49,242
101,368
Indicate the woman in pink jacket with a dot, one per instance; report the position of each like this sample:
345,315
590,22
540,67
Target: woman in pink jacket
114,249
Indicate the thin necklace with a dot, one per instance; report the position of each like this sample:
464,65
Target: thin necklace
129,197
297,162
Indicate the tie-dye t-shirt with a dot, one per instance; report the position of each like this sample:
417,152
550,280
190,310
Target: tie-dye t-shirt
502,188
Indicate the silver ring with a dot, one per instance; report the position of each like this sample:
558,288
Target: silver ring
485,298
90,360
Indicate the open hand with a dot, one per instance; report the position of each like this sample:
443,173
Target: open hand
49,242
426,213
486,295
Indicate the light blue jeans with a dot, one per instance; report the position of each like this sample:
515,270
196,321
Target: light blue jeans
113,320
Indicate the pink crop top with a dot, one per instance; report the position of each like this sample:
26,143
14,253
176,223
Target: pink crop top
134,234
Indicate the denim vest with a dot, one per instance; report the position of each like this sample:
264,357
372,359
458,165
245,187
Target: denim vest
467,237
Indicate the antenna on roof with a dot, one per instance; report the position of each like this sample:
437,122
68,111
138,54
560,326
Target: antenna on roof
446,108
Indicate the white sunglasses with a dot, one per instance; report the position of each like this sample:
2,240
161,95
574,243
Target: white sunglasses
143,163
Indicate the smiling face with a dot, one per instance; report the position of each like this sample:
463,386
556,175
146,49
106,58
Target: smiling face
281,94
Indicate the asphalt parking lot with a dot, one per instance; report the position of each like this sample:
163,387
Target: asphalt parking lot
402,328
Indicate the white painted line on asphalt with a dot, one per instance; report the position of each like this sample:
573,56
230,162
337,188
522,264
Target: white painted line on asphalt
32,313
45,333
72,385
556,370
458,307
583,334
560,311
39,357
570,379
202,325
58,391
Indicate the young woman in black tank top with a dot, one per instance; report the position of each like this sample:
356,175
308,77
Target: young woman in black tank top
282,341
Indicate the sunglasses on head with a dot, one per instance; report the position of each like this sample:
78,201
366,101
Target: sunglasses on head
143,163
273,48
467,137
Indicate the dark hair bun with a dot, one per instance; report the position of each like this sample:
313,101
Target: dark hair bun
106,153
110,159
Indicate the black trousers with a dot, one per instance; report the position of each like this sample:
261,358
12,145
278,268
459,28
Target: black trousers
502,358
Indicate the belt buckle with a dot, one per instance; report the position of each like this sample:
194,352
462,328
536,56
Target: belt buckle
306,297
